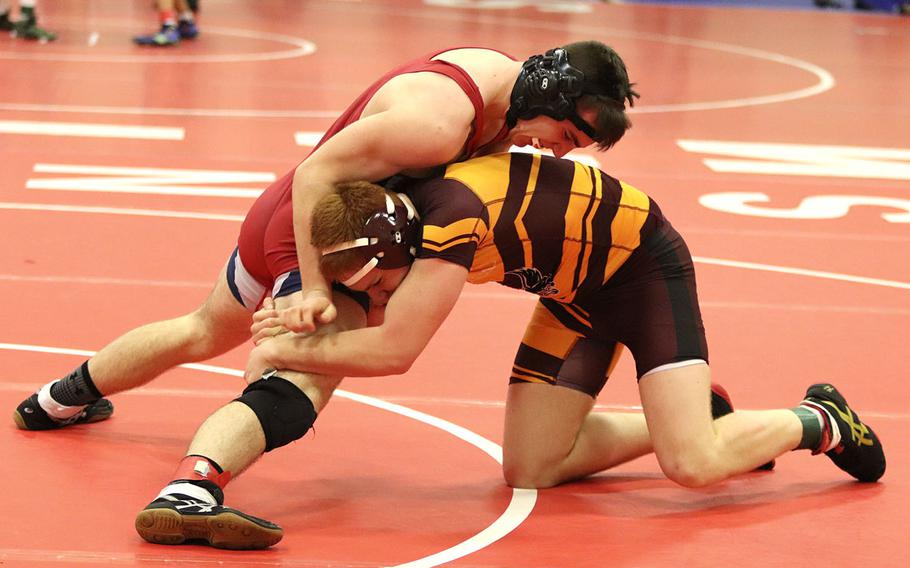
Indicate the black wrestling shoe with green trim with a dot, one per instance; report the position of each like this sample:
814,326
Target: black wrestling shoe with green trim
722,405
859,452
30,416
178,519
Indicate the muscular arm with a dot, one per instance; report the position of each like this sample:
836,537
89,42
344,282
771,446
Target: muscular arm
418,122
414,313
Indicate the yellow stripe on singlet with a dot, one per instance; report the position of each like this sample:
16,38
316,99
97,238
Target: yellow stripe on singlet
438,238
577,314
625,229
519,218
488,178
546,333
530,375
574,246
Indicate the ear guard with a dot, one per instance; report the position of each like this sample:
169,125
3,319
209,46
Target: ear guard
390,237
549,85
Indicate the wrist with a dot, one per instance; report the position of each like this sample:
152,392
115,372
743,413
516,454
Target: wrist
273,352
324,292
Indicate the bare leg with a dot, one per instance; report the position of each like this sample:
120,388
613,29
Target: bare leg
233,437
142,354
136,358
695,450
552,436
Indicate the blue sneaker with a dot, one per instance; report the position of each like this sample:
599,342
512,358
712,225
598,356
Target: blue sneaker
187,29
167,36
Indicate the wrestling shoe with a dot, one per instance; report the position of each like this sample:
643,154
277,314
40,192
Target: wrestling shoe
6,24
859,451
721,405
187,29
30,416
28,29
175,519
168,35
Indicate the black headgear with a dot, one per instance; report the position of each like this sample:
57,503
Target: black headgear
548,85
389,239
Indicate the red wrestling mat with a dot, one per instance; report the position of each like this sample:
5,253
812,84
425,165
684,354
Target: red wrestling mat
107,227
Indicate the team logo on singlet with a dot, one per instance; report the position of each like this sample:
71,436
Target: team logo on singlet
532,280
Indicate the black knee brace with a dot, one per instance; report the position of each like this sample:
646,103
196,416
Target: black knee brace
285,412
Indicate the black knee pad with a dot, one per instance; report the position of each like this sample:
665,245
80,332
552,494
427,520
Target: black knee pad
285,412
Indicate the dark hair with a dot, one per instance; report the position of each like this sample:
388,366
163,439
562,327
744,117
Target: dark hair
605,73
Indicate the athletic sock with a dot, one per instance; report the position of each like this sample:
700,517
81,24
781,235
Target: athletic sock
820,431
196,474
75,389
193,490
168,18
27,11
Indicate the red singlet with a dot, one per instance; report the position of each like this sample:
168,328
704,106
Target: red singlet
266,240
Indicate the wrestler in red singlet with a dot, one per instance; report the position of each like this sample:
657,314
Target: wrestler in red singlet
266,242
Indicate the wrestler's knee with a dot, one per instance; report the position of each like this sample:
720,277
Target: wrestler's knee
529,473
206,336
689,467
285,413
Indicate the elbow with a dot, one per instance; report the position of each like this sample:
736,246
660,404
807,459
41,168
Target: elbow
399,363
398,359
398,348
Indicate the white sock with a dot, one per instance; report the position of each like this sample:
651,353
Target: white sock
188,489
53,408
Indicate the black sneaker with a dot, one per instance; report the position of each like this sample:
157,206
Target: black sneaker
722,405
30,416
175,519
6,24
28,29
859,452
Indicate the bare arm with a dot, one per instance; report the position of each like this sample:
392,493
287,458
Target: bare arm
415,132
414,313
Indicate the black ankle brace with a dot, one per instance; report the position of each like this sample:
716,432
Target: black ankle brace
76,388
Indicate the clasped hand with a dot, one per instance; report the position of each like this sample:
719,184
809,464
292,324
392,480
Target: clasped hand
269,322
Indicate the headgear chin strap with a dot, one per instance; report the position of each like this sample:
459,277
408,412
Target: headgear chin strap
389,240
548,85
